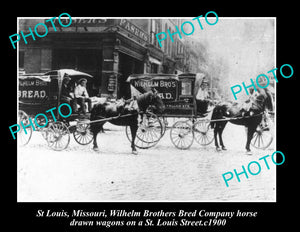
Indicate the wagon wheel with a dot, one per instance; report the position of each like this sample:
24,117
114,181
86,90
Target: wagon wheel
58,136
262,138
23,136
182,135
148,133
82,134
204,135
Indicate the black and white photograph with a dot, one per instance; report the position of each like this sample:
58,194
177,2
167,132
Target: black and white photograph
140,117
158,109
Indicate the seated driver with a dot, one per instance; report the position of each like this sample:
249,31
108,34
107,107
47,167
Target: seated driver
202,98
82,95
66,93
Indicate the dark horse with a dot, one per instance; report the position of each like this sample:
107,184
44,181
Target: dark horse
109,109
249,118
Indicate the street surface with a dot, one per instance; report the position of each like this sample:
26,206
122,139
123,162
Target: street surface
161,173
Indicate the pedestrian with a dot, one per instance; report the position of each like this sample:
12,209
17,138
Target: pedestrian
82,95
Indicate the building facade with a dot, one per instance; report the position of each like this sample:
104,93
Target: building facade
108,49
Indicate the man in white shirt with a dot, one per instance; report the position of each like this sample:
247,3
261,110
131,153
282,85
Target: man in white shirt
202,98
82,95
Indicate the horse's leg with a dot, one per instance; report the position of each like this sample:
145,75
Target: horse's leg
95,129
220,135
95,147
250,132
216,131
133,129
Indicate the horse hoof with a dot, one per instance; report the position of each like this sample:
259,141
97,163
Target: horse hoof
134,152
248,152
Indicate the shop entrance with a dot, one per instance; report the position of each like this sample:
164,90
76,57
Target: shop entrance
127,66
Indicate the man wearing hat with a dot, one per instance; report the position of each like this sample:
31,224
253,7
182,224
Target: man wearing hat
66,93
202,97
82,95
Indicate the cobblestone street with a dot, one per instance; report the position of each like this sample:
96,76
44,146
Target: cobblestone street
161,173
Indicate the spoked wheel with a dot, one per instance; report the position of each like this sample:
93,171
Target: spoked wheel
58,136
23,136
262,138
82,134
204,135
182,135
148,133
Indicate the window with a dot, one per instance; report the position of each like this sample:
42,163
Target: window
155,29
169,44
21,59
166,41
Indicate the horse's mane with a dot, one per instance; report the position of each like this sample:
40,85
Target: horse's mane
144,100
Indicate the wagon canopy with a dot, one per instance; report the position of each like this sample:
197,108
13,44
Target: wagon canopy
152,76
73,74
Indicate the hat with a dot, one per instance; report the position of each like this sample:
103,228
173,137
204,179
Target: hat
204,81
82,79
67,77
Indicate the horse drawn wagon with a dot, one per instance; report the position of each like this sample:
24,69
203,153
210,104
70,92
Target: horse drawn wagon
159,97
39,93
178,95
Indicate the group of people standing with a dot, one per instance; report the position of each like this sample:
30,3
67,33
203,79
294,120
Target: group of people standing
74,95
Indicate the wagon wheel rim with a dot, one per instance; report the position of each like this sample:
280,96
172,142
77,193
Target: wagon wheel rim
148,133
58,136
139,143
82,134
203,133
23,137
262,138
182,135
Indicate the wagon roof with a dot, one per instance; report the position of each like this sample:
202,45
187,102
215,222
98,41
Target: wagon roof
70,72
152,76
54,74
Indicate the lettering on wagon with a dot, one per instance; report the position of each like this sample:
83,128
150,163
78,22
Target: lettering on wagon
166,88
33,89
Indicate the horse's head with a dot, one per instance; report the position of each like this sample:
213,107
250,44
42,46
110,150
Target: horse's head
155,101
151,99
